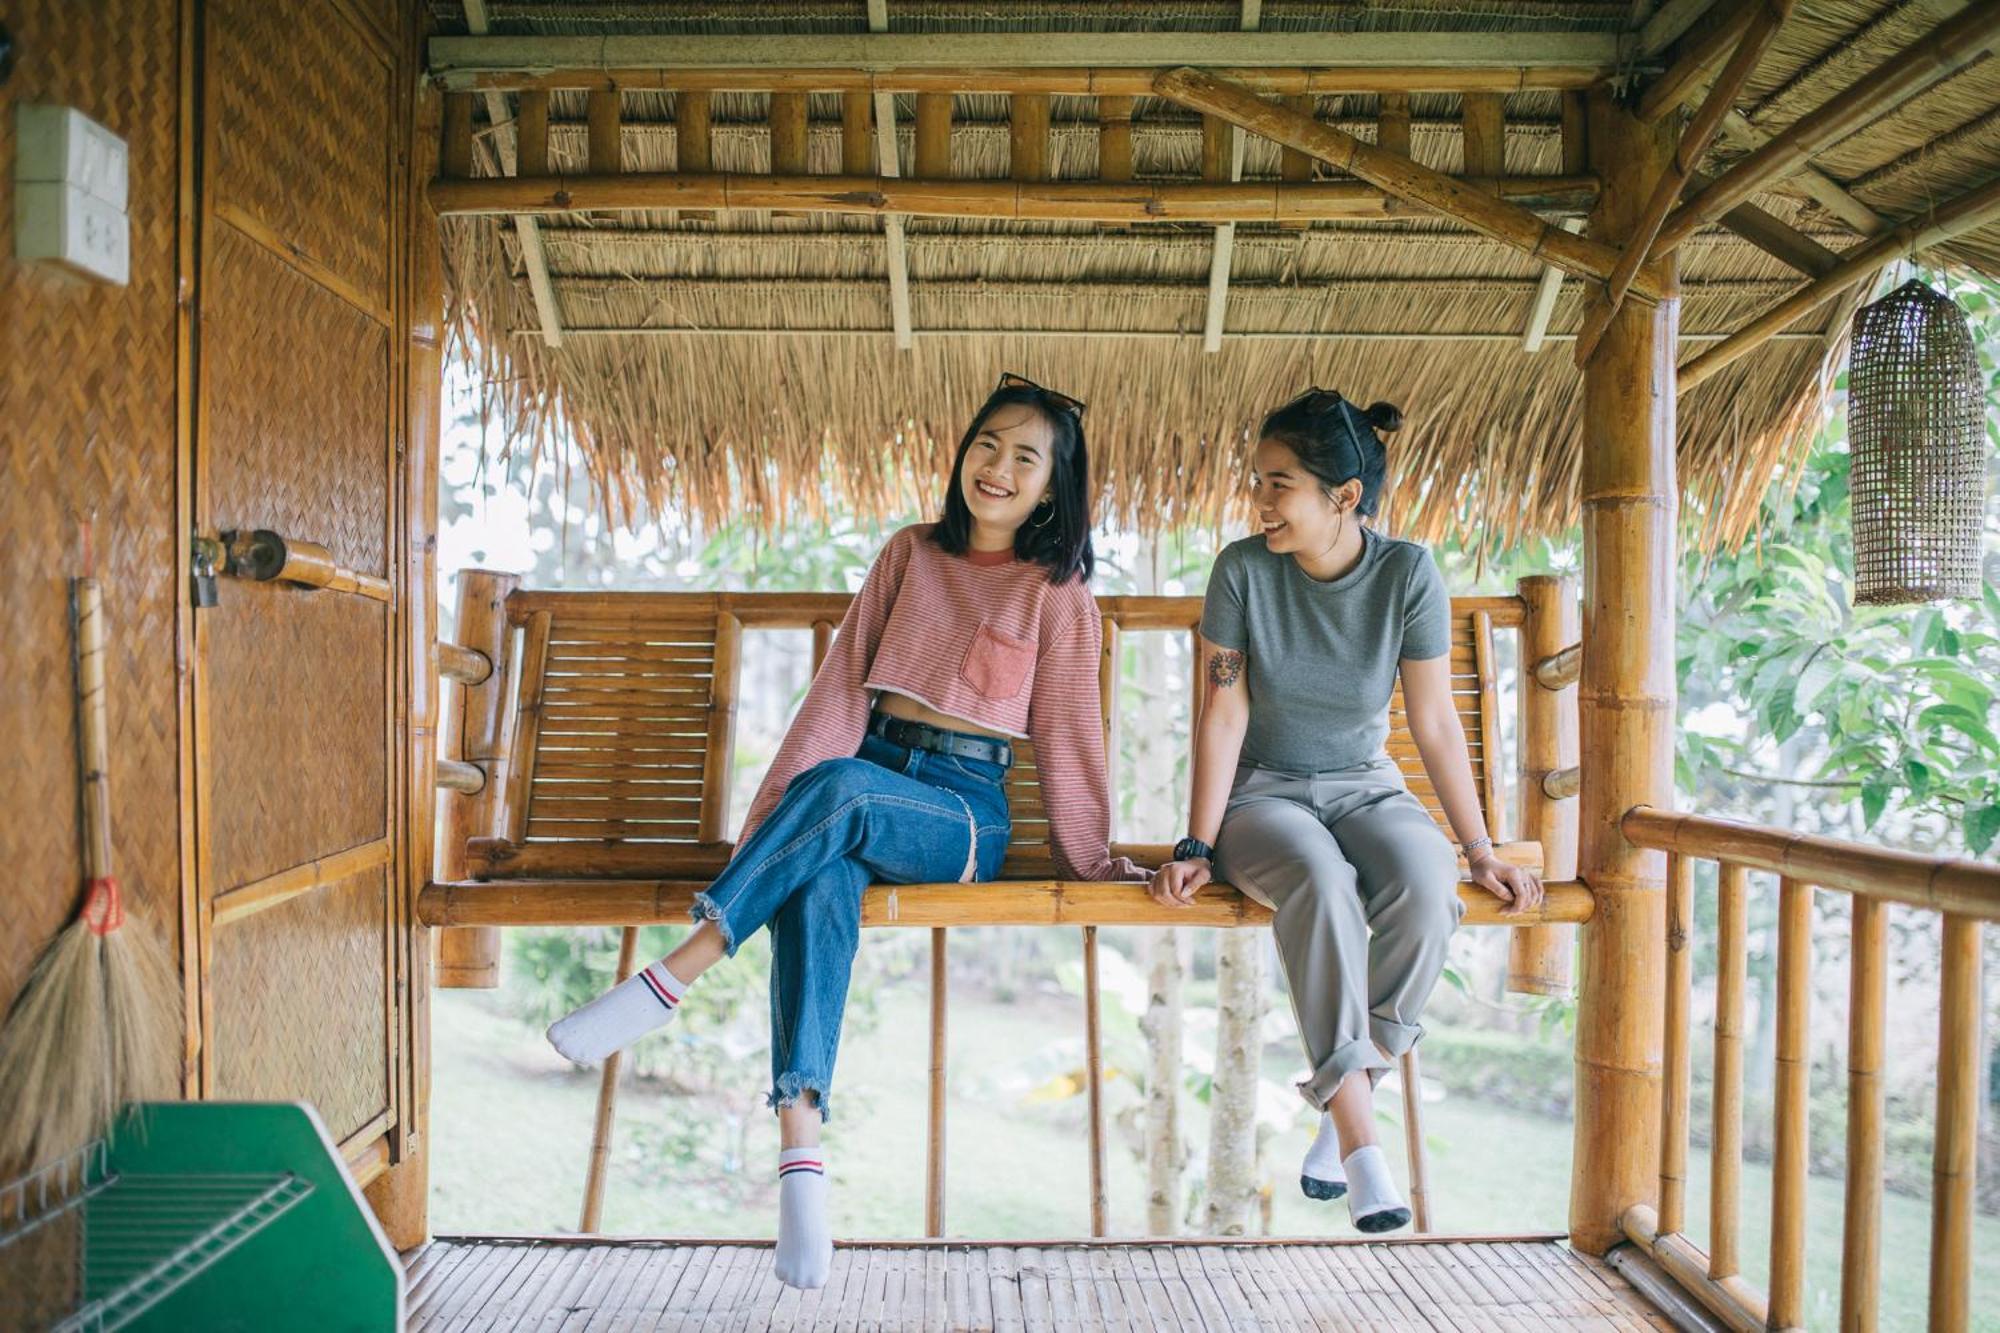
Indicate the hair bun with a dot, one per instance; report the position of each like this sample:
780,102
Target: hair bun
1384,417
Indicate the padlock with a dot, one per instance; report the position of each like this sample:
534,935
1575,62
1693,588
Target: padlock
204,560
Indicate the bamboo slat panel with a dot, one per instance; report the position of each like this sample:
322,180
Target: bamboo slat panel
470,1284
108,451
299,1002
302,135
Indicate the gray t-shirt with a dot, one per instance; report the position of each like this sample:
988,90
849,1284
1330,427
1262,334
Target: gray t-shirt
1322,656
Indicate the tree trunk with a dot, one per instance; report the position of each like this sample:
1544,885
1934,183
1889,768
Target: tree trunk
1232,1106
1166,1154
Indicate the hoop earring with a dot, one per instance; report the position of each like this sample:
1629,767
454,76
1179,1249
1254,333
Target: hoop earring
1049,505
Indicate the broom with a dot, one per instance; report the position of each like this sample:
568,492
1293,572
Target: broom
98,1023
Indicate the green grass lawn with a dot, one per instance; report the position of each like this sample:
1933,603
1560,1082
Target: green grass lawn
511,1125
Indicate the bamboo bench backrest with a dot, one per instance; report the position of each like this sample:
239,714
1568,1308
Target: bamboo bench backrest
625,722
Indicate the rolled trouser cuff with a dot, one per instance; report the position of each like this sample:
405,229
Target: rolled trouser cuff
1333,1071
1393,1037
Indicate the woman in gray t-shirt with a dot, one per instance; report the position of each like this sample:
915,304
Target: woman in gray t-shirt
1306,628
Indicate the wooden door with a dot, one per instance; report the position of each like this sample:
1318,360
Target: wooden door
299,846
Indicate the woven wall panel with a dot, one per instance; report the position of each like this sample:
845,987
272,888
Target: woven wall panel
300,101
299,1002
298,406
298,754
87,426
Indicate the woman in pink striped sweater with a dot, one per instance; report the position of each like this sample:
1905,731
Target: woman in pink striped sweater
968,635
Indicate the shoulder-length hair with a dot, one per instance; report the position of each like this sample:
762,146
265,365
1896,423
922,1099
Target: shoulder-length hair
1060,541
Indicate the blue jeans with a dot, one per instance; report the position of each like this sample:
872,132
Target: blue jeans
889,814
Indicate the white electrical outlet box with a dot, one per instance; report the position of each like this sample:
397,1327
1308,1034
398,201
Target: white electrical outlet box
70,192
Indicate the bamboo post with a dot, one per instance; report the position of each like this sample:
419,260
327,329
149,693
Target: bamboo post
693,144
1625,710
527,727
1677,1081
1028,136
857,134
1732,936
934,1139
1867,1012
933,156
1483,123
1114,138
607,1103
1955,1157
455,155
469,957
531,133
1293,165
605,132
1575,132
1093,1072
1789,1107
1539,957
1392,124
719,755
1218,143
789,128
1413,1141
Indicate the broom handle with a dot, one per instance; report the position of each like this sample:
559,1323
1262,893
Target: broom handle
95,733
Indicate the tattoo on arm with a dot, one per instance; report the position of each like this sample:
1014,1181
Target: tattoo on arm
1225,668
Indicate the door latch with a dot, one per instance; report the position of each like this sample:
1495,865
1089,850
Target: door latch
206,558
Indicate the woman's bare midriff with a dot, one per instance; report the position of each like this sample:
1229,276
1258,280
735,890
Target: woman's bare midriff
903,706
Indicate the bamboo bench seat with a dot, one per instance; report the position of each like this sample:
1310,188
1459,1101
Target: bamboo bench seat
614,806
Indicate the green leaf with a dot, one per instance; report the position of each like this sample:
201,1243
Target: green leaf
1820,672
1874,800
1982,826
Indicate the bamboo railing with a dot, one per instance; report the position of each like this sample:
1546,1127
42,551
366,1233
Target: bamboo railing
1967,895
492,875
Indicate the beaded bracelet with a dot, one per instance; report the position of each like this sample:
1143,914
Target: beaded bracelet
1472,848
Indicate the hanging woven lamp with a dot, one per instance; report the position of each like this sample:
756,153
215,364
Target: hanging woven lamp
1917,436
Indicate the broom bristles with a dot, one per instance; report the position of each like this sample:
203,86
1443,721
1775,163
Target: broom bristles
56,1089
142,1001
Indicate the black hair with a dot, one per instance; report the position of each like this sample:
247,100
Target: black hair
1057,538
1337,441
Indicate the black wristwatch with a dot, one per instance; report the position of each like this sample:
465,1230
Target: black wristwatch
1193,849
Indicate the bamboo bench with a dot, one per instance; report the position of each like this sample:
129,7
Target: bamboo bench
592,741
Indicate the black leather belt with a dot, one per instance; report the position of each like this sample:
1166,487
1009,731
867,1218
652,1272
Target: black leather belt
922,736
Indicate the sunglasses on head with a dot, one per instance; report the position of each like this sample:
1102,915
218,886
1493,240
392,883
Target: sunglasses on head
1061,401
1320,402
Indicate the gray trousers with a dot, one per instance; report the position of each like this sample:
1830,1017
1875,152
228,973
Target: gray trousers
1365,887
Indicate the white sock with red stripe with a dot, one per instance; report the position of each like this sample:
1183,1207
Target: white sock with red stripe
805,1247
619,1017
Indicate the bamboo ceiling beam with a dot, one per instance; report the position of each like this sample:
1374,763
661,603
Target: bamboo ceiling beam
1963,214
1690,70
1576,157
1666,25
1047,62
1767,17
1100,201
889,165
1941,53
530,149
1809,180
1140,335
1784,243
1487,213
694,145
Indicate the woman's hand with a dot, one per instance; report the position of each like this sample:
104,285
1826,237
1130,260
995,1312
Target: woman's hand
1516,886
1175,883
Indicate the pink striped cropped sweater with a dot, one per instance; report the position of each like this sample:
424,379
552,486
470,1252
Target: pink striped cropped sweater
984,637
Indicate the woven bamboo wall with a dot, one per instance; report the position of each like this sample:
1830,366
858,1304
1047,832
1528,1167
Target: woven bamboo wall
87,427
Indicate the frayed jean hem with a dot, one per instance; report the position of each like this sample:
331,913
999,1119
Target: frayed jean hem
791,1087
705,908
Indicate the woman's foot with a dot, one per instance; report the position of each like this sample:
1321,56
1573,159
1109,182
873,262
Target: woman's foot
1321,1176
619,1017
805,1247
1373,1201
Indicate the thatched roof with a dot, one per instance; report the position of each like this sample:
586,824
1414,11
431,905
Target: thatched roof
725,363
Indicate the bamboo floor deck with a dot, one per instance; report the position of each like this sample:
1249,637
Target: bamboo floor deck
573,1285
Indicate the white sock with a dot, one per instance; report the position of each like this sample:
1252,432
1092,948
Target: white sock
1321,1176
805,1249
1372,1198
619,1017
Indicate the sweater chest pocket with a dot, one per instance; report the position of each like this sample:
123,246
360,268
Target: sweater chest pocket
997,664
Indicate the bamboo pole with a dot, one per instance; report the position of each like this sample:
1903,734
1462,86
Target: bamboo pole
1484,212
1689,71
531,133
1483,119
1491,794
1789,1107
459,776
1867,1011
1942,52
1114,138
474,733
1093,1072
455,156
1966,213
1676,1083
857,134
934,1139
1935,883
1740,1306
1732,937
1539,957
527,726
933,155
788,130
1083,201
607,1103
719,754
1625,710
1392,124
1761,29
604,133
694,148
1028,137
1413,1141
1955,1158
1292,164
462,665
1562,783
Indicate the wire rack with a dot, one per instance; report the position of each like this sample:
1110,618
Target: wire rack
140,1237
